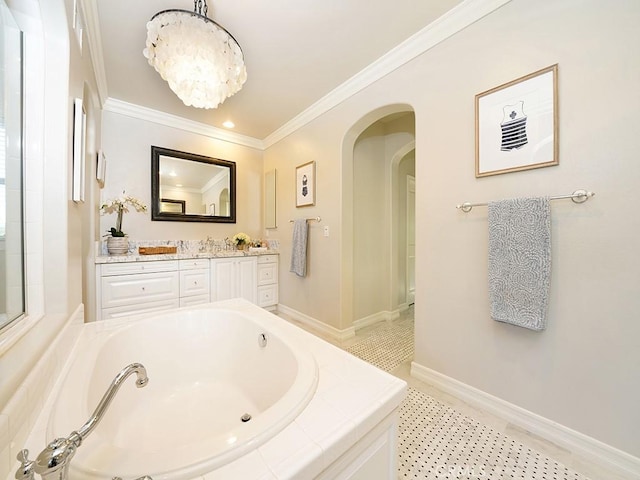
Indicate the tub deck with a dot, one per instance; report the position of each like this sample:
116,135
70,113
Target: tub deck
347,429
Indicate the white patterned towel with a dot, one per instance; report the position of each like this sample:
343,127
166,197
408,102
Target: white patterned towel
299,248
520,261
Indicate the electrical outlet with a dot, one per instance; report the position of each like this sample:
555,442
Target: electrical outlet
326,230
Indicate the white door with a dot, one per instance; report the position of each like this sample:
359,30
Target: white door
411,239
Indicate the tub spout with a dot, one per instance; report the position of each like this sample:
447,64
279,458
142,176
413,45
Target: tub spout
53,462
141,381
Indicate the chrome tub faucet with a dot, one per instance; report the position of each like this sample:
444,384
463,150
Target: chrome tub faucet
53,462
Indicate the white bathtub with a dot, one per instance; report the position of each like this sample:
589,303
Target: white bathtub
206,369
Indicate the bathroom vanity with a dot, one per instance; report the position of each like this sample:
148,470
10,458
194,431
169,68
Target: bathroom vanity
132,284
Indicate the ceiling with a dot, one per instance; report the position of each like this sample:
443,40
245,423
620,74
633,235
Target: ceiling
296,52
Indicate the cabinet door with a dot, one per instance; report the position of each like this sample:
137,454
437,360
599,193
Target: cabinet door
247,279
222,279
233,278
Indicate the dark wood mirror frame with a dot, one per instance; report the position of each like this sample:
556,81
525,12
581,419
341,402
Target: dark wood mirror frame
156,214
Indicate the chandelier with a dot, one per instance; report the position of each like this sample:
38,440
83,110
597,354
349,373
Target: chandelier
200,60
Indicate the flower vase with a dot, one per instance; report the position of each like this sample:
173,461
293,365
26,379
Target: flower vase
241,246
117,245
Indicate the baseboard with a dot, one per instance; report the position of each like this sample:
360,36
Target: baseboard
375,318
328,330
596,451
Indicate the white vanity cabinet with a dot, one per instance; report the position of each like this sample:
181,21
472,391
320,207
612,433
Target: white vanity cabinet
268,281
137,287
194,281
131,287
233,277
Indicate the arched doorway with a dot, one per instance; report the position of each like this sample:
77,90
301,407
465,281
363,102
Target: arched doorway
374,282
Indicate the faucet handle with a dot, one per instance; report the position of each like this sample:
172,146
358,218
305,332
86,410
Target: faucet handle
25,471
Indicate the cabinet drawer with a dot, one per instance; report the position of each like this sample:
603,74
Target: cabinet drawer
149,307
109,269
267,273
267,295
195,300
267,259
194,264
194,282
133,289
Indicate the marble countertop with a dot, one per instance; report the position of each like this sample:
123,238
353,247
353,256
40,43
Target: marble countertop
100,259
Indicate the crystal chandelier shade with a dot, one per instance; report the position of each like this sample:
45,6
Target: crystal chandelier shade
200,60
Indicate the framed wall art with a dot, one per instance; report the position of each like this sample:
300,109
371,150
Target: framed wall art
306,185
517,124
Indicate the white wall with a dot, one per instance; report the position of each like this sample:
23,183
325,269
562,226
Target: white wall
127,143
582,371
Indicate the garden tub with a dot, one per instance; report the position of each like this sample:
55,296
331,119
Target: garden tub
221,383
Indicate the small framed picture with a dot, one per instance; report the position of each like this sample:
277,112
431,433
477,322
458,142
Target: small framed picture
306,185
517,124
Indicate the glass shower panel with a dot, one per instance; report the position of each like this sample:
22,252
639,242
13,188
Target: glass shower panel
12,296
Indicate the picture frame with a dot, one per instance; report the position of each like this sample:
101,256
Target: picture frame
79,128
306,184
169,205
517,124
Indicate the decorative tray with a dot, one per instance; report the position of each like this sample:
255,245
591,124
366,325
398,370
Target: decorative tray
157,250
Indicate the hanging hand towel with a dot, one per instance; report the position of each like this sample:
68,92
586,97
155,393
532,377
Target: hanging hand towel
299,248
520,261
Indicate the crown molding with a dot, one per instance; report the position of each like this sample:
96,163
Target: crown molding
89,11
166,119
455,20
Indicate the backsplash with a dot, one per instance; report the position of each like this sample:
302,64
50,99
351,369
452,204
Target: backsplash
184,246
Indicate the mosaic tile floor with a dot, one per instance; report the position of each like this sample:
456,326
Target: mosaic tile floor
387,347
435,441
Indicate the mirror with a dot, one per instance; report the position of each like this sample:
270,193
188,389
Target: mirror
186,187
12,291
270,200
